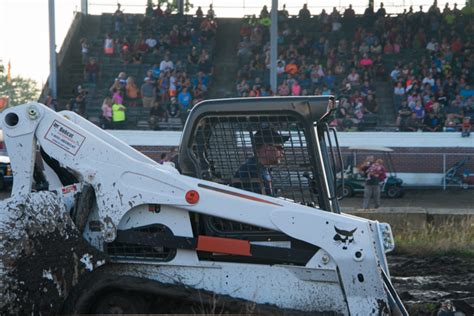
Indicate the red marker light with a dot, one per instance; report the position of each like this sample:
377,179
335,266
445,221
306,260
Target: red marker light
192,197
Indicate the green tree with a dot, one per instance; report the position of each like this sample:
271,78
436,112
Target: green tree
19,90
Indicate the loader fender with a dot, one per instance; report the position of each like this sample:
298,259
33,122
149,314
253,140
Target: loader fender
348,242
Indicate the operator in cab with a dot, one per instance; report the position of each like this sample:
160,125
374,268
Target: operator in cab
255,174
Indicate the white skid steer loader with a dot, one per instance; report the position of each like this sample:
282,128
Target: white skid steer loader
248,221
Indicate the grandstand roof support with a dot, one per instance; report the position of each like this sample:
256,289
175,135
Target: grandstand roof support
180,5
52,81
85,7
273,45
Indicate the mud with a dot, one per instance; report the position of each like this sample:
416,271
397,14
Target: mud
424,283
43,256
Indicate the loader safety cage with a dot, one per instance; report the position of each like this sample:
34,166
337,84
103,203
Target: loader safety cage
221,135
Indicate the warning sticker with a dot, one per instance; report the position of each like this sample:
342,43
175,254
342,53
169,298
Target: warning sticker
64,137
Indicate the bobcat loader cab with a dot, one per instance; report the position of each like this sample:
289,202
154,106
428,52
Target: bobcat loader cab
148,232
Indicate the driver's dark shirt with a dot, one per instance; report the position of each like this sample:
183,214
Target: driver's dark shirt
252,175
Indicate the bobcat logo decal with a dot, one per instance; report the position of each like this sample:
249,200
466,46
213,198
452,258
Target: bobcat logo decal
344,236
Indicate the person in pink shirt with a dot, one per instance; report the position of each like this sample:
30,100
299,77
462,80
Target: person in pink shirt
117,97
295,88
366,62
106,118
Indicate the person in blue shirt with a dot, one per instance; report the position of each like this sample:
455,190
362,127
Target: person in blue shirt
255,174
184,99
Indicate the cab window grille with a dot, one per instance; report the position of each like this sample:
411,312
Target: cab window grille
229,150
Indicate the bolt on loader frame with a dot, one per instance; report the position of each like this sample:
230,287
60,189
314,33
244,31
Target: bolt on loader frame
160,228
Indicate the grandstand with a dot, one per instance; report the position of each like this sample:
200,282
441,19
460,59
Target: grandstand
358,58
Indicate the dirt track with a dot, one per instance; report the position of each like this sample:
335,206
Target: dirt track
423,283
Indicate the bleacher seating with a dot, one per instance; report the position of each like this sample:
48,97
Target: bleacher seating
133,26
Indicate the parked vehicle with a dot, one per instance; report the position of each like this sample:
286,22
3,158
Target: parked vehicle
455,176
354,180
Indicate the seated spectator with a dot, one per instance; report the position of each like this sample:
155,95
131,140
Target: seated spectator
371,104
419,110
151,42
451,124
157,114
166,64
329,79
367,88
136,58
204,63
326,90
432,46
295,88
466,127
395,73
404,113
353,77
193,56
376,48
432,122
125,54
173,108
283,89
413,124
366,62
428,79
388,48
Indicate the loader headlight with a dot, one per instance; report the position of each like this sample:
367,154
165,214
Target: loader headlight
386,236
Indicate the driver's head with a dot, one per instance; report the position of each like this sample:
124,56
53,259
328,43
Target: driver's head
269,146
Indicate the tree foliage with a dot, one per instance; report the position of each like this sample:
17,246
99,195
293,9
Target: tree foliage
19,90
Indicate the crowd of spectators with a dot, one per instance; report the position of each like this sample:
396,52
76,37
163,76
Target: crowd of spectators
337,58
433,90
343,54
178,51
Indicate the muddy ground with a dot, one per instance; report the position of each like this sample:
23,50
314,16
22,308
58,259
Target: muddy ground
423,283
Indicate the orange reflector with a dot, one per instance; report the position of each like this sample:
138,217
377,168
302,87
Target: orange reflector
224,245
192,197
